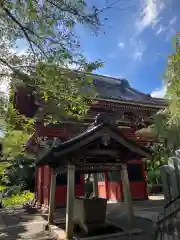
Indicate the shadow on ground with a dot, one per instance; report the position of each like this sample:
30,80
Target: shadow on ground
21,225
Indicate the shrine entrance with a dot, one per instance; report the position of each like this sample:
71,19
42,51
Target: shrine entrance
101,148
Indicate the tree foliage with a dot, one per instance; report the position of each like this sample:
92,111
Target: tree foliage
16,168
13,144
38,42
46,30
173,82
165,138
166,126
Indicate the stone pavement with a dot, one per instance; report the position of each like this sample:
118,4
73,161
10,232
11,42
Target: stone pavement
21,225
31,226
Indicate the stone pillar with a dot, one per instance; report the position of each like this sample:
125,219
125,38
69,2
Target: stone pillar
95,185
172,183
52,197
127,195
70,202
177,172
165,183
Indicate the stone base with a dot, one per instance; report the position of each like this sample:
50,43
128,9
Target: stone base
60,234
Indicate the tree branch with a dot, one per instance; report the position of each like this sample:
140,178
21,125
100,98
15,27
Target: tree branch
30,41
9,14
69,9
6,64
21,75
109,6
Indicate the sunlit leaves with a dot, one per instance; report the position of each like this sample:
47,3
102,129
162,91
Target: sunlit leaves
47,30
14,143
173,82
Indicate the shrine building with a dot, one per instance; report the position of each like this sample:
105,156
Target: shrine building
129,108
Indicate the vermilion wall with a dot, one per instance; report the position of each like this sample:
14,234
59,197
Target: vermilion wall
114,190
43,188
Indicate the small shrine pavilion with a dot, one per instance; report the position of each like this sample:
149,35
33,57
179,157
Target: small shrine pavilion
100,148
132,110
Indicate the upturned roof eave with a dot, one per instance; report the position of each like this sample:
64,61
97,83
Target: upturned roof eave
134,103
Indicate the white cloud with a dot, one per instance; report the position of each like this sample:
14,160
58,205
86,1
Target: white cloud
138,55
168,28
173,20
139,49
171,29
149,14
121,44
160,29
159,92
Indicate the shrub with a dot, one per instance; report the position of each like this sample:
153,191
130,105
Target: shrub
154,177
18,199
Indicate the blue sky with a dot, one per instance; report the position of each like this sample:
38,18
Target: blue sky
136,42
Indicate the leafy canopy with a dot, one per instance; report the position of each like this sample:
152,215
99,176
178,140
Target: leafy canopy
38,41
167,122
173,82
46,29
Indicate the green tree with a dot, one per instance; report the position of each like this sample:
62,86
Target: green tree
47,30
164,134
172,81
14,144
14,164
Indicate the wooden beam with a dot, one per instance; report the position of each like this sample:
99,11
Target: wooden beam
70,202
110,153
61,169
52,197
99,164
97,170
89,169
127,196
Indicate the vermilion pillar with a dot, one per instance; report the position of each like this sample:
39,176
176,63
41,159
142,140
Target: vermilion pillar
144,173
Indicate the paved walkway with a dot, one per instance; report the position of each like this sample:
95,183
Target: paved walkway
21,225
31,226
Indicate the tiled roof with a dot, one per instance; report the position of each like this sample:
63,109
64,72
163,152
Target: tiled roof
101,124
120,90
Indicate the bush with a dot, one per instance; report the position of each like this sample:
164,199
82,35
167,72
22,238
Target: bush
2,188
18,199
154,177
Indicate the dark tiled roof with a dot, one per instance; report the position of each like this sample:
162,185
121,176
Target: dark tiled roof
75,143
120,90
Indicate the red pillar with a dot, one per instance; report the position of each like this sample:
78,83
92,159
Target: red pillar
144,173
